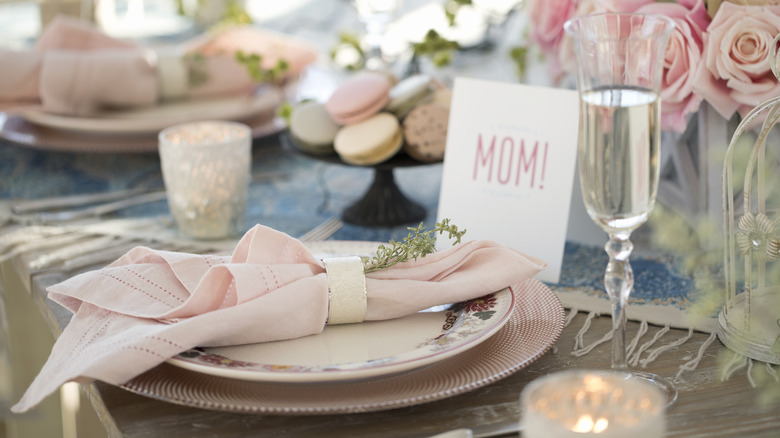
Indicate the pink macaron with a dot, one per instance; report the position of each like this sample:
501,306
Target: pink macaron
360,97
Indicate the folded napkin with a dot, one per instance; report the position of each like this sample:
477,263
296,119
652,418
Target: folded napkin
76,69
150,305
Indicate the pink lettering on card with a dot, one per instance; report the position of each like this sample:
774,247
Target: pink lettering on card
524,168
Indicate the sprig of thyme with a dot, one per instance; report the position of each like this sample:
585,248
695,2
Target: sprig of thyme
419,243
252,63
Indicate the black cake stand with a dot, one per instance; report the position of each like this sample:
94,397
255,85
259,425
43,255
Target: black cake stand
383,204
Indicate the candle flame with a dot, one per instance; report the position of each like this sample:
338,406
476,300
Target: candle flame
585,424
601,425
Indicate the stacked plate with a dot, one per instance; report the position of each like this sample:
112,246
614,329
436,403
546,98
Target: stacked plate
371,366
136,130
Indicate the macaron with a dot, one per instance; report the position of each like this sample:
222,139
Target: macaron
425,131
359,98
442,96
408,93
370,141
312,129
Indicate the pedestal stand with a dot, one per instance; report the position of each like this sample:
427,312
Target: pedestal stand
383,204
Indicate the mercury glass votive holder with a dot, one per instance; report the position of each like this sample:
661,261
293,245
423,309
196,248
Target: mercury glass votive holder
603,404
206,169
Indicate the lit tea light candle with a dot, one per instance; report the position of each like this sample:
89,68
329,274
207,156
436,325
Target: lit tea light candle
571,404
206,168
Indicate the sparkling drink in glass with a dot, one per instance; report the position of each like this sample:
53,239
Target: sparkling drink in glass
620,61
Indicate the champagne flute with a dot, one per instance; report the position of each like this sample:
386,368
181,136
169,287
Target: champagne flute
620,60
375,16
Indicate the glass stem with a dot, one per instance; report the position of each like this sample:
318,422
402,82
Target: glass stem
618,281
374,59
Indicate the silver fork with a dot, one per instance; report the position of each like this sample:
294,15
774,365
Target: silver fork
36,205
322,231
98,210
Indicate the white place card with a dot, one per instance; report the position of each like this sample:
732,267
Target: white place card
509,166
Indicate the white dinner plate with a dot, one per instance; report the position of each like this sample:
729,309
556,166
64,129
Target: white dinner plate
533,328
358,351
153,119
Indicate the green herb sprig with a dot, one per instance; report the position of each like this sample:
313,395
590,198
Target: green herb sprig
451,8
197,73
519,55
437,48
235,14
252,63
419,243
349,43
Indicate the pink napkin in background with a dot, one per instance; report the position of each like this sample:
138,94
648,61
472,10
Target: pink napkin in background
76,69
20,71
150,305
220,50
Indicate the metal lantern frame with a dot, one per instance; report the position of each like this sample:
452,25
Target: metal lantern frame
749,322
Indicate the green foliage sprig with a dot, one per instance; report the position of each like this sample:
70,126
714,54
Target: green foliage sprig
519,55
252,62
349,42
451,8
235,14
419,243
285,112
197,74
438,48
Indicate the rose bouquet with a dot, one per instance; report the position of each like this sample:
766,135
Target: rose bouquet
719,52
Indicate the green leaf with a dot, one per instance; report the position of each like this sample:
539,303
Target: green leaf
418,243
485,315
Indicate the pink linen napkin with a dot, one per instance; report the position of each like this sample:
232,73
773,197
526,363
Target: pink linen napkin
76,69
151,305
220,50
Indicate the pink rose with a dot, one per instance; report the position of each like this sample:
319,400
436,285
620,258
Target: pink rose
735,74
682,59
587,7
547,18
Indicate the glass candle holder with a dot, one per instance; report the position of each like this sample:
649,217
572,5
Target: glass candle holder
606,404
206,169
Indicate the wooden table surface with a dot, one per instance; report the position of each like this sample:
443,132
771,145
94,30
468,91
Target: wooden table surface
707,406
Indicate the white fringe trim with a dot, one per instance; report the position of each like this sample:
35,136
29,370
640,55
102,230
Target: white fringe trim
653,355
634,361
570,317
749,373
772,372
585,350
578,339
634,342
736,363
692,364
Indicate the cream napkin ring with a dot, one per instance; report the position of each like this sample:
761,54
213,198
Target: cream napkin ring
172,74
347,297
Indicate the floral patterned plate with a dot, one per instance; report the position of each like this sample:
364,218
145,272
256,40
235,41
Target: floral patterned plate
357,351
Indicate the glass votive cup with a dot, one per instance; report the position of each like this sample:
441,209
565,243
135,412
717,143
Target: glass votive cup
206,167
577,403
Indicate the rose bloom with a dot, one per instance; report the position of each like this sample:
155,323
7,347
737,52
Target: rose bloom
681,61
547,18
587,7
735,74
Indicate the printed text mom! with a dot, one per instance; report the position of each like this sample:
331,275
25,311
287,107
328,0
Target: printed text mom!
508,160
